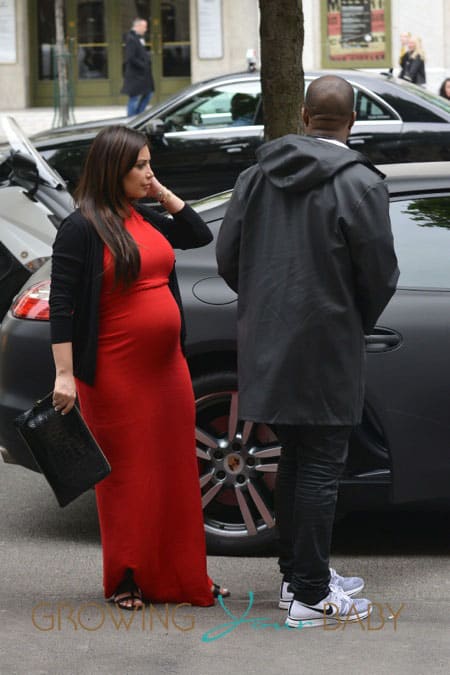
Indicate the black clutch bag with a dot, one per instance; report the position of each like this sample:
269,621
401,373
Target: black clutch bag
64,449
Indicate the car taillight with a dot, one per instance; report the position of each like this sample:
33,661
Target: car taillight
33,303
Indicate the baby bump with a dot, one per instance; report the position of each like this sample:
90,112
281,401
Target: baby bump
145,325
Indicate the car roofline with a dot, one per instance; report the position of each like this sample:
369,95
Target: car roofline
416,176
363,79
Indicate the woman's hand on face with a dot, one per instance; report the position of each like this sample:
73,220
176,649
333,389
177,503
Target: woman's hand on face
156,188
165,197
64,393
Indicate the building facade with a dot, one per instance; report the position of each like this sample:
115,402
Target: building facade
191,40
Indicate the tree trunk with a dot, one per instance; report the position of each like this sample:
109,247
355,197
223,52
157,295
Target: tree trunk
282,79
62,102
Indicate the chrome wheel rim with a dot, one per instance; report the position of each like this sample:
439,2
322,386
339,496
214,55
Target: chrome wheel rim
237,463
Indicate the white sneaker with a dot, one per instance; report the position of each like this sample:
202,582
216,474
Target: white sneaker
350,585
336,607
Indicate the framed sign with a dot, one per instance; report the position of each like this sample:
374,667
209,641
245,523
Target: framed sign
209,21
356,33
8,51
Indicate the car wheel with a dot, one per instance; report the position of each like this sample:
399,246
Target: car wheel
237,463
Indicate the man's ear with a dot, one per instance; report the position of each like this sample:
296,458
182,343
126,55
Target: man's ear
305,116
352,120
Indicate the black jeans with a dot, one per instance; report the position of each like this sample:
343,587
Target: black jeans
311,463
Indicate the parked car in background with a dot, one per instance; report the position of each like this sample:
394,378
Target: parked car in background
33,199
204,136
400,452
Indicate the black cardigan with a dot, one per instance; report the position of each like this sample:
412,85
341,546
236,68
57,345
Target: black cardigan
77,273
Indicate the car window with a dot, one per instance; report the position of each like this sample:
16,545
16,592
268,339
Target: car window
367,109
421,230
410,111
223,106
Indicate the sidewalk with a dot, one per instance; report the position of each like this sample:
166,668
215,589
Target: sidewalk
34,120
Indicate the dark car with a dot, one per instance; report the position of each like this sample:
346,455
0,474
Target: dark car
203,137
401,451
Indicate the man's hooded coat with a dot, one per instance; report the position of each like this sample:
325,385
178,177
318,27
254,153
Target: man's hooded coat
307,244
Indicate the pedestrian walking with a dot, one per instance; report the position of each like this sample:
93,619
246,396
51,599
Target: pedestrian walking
413,62
137,69
306,243
117,332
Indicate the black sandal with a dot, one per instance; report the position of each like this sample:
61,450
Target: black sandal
219,591
128,590
135,595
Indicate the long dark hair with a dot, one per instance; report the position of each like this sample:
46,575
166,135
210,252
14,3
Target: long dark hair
442,89
101,197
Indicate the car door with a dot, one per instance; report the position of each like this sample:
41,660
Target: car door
425,142
202,144
408,364
425,133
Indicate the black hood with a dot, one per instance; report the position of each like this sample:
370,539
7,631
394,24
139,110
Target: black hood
302,162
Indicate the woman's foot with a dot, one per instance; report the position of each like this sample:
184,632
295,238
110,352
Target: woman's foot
219,590
128,595
129,599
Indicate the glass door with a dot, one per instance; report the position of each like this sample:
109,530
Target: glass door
89,42
174,46
91,54
42,62
95,33
89,46
167,40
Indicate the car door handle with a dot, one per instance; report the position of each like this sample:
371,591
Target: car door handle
233,149
359,140
382,341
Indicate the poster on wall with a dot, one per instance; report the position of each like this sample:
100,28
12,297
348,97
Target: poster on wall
356,34
8,52
209,17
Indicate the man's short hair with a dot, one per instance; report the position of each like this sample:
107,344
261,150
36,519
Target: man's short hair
330,96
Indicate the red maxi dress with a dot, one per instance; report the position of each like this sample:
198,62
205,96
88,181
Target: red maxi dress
141,410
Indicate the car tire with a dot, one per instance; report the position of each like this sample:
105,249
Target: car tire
237,468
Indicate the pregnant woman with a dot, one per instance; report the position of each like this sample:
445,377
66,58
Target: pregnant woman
117,339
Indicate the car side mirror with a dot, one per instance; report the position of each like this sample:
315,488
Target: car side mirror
25,172
156,127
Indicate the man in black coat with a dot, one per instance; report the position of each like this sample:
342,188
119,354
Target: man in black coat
307,244
138,78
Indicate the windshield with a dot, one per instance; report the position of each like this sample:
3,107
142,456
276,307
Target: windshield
20,143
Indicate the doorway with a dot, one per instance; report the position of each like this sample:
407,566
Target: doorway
95,32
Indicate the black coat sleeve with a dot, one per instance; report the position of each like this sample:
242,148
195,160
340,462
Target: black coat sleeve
229,241
69,254
185,229
416,70
134,55
403,61
369,237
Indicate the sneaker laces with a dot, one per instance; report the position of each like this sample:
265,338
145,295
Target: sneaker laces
340,598
335,578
